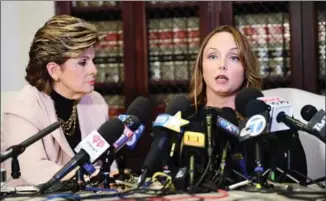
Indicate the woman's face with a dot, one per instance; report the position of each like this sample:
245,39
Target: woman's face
76,77
222,70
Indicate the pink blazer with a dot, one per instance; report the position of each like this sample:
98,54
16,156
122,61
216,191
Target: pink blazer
32,111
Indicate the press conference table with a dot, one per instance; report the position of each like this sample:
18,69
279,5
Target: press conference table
234,195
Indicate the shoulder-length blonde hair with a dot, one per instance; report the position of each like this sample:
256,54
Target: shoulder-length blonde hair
62,37
249,61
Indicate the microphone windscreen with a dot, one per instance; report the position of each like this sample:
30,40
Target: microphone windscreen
308,111
141,107
111,130
255,107
244,96
178,103
229,114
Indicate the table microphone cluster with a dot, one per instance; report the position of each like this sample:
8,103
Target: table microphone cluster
193,157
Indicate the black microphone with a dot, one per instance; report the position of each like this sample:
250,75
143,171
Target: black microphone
247,105
91,148
16,150
209,115
134,120
163,125
255,107
243,97
316,120
194,155
227,142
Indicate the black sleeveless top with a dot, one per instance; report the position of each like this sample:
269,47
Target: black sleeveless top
63,108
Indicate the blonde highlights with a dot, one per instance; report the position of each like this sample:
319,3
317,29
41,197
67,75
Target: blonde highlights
249,61
62,37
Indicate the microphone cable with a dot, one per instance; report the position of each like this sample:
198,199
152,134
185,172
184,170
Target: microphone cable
205,172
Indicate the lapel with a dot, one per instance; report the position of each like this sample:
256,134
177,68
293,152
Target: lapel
49,110
88,115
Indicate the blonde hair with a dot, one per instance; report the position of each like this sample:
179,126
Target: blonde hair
62,37
249,61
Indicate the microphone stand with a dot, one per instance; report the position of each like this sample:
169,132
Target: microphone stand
16,150
259,169
121,164
245,182
104,173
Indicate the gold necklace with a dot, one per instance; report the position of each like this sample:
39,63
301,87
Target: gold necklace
69,126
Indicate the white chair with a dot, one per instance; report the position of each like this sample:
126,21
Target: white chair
313,147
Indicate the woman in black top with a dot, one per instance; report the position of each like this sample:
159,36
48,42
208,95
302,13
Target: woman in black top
224,66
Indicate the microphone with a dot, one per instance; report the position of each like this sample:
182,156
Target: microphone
228,123
209,115
193,145
256,120
316,120
134,120
243,97
281,112
256,123
90,149
228,128
16,150
162,126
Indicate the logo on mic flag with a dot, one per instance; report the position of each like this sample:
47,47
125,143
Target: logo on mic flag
253,126
194,139
171,122
129,137
256,124
127,133
98,141
94,144
132,141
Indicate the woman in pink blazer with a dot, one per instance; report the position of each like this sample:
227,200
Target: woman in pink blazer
61,77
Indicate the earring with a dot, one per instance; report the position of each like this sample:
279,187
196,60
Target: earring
56,79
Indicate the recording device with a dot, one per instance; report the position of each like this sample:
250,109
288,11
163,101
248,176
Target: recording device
277,118
256,124
227,137
16,150
90,149
280,111
164,124
209,114
316,120
134,120
225,120
281,116
256,120
194,155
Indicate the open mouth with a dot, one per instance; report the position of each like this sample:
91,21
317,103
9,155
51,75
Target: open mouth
221,77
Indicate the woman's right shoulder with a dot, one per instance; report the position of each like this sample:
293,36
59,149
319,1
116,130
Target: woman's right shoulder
26,96
24,101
